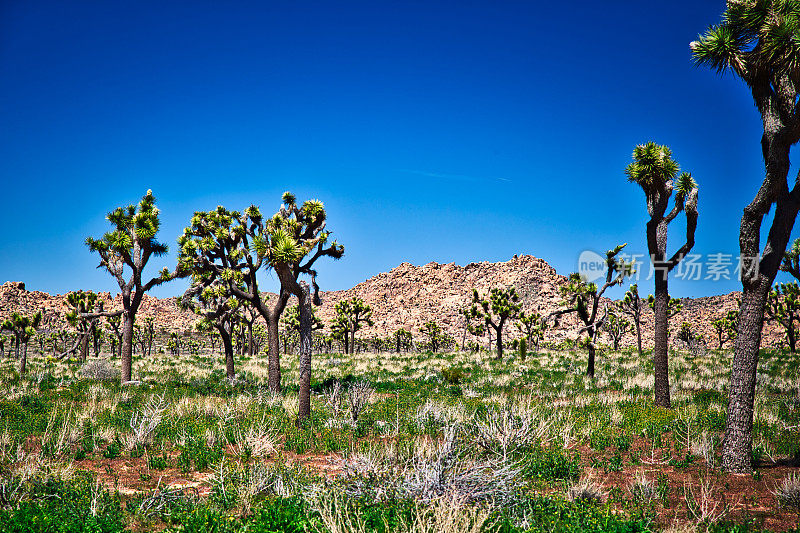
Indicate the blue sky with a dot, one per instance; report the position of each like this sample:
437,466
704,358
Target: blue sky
433,131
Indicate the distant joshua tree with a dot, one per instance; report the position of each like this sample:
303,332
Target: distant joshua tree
129,246
23,327
82,303
725,327
583,299
616,327
401,339
350,315
654,170
783,306
436,337
532,326
217,310
501,306
631,305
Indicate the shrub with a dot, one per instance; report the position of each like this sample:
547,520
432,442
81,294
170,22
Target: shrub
98,369
551,464
788,492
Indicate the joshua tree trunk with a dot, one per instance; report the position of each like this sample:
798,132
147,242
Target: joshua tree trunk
737,444
85,346
639,336
499,342
306,320
126,355
757,278
227,344
23,362
590,365
274,364
657,243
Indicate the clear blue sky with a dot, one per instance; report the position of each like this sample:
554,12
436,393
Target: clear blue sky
433,131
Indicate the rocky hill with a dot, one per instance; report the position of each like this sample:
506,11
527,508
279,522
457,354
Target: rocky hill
408,296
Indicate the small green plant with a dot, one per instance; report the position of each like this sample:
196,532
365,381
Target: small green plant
113,450
453,376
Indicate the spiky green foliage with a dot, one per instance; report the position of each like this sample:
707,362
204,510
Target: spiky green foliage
233,247
791,260
755,36
351,315
501,306
783,306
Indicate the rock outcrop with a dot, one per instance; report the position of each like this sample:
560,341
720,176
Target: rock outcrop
408,296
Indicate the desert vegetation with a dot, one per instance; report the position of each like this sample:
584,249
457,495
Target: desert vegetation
264,417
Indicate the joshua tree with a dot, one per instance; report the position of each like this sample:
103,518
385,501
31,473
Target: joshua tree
532,326
501,306
248,318
23,327
129,246
783,306
725,327
631,305
217,310
616,327
114,324
472,323
82,303
350,315
233,247
145,333
401,339
757,41
435,335
654,170
583,299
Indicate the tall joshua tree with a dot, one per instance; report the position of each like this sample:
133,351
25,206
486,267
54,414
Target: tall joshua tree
631,305
232,247
125,250
654,170
583,299
23,327
495,311
759,41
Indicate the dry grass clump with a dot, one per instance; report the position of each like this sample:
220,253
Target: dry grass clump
98,369
144,422
788,492
586,490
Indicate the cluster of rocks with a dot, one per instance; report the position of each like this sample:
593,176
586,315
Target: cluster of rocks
408,296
